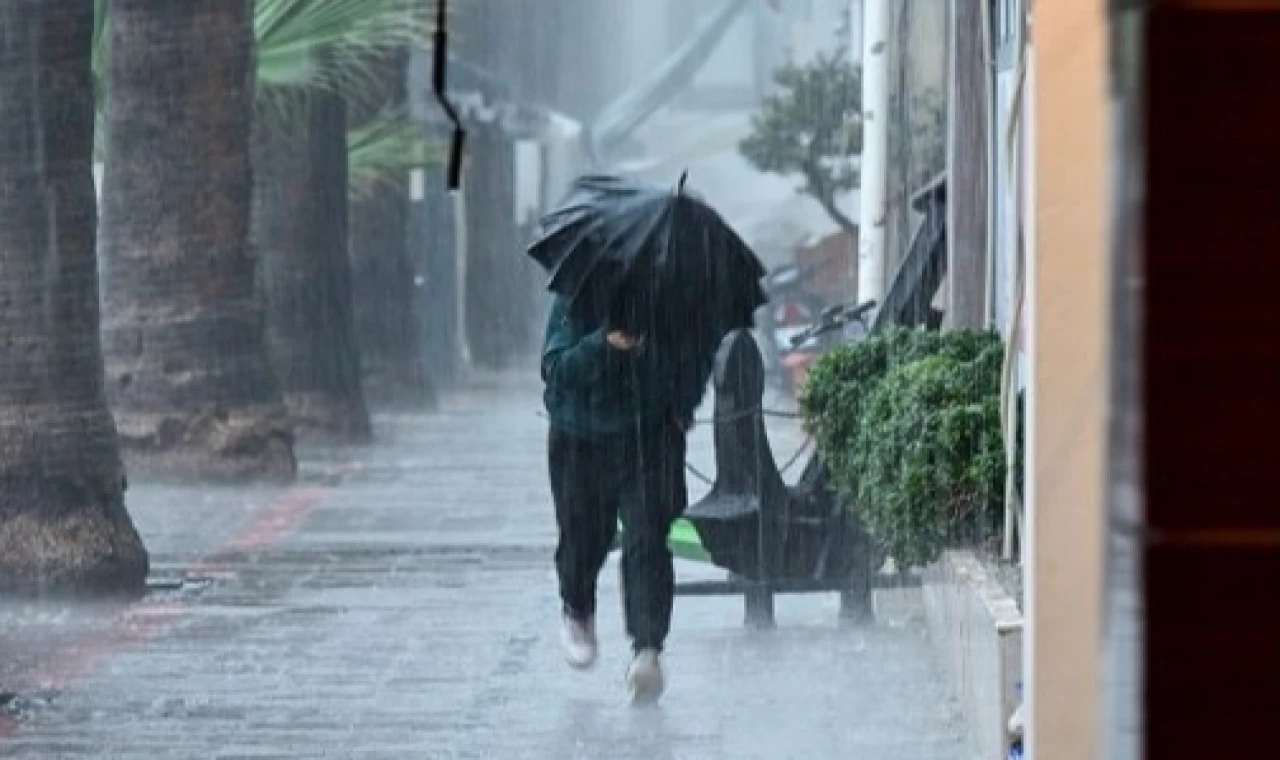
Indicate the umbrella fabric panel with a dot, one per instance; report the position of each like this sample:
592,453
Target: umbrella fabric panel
648,259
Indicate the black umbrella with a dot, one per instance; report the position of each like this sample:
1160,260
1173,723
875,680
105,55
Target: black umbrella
647,258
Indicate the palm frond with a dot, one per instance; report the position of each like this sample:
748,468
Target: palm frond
387,146
291,34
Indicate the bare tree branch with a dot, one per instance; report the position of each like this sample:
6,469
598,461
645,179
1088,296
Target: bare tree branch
820,188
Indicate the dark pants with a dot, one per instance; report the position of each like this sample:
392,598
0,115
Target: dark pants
639,479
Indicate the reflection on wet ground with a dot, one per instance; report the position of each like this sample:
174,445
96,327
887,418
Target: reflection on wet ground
400,603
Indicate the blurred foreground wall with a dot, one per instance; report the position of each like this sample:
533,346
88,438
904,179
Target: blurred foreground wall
1068,299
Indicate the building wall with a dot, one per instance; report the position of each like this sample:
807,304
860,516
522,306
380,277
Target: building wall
969,88
917,114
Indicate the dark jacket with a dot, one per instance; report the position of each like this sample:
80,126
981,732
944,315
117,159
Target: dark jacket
593,389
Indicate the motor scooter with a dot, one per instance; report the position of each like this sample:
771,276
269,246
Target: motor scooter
791,310
835,325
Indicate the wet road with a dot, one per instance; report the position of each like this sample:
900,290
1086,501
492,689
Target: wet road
401,604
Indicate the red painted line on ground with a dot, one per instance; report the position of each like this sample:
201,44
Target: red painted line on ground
149,620
272,524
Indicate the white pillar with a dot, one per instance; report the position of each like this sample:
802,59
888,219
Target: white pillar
460,251
872,213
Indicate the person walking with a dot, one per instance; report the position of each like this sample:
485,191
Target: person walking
620,405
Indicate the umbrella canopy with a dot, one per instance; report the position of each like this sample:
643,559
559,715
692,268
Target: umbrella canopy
647,258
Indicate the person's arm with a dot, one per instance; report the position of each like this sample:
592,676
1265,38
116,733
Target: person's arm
572,357
689,388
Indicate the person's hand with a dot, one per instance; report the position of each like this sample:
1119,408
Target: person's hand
622,341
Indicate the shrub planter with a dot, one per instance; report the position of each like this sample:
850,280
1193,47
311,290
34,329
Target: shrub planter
975,628
908,423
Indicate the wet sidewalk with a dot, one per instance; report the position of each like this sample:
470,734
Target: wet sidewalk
400,603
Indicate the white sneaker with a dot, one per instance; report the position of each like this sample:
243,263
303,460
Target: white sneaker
578,640
644,677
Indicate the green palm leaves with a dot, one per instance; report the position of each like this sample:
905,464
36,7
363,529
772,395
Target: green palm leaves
384,148
353,32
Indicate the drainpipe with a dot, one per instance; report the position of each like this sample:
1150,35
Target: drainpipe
872,212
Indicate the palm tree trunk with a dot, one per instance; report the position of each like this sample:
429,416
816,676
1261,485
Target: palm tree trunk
500,297
186,354
300,217
388,296
63,523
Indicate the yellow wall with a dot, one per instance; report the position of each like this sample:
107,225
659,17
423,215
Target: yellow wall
1068,303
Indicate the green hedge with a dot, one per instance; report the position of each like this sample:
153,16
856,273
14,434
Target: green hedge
908,423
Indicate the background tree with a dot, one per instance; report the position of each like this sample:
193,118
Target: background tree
308,54
811,127
287,36
499,293
187,367
301,227
314,55
389,303
63,523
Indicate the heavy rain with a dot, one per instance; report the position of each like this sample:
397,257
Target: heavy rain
619,379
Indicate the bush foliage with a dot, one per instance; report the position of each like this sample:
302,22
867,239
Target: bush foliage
908,423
